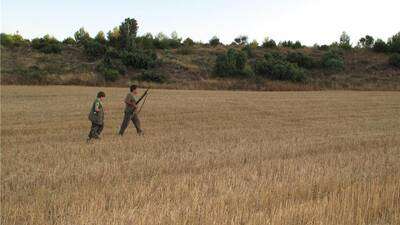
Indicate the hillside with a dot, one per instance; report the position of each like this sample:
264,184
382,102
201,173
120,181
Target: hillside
192,68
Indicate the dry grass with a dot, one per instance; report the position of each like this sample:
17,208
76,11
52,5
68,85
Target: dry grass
207,158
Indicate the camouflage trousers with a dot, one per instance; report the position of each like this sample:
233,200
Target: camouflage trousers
135,120
95,130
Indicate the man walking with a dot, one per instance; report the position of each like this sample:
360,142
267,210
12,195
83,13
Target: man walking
96,116
131,113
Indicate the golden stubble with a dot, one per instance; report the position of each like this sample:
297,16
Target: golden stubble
207,157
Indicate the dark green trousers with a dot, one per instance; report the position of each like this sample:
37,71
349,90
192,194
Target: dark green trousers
129,116
95,130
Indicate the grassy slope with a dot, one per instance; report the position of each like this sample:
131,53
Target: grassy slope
365,70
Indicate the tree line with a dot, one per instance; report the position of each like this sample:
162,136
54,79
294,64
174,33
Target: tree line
121,48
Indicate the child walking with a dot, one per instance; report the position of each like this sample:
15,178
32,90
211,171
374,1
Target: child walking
96,116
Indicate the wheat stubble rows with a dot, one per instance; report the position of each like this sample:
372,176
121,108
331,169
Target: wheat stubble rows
207,158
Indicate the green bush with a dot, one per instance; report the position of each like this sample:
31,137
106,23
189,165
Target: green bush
345,41
275,56
394,60
241,40
111,74
146,41
162,41
290,44
69,41
366,42
188,42
81,36
47,45
394,43
151,76
13,40
113,37
380,46
277,69
100,38
139,59
94,49
127,33
233,63
300,59
333,61
269,43
214,41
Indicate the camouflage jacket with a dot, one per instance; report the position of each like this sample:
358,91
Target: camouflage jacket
97,117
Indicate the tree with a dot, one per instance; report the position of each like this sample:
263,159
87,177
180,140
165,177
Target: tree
254,44
366,42
345,41
242,39
69,41
81,36
380,46
214,41
268,43
113,37
174,36
394,43
128,31
100,37
188,42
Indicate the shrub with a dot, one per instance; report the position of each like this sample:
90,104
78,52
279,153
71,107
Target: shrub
69,41
214,42
34,74
333,61
241,40
145,42
300,59
47,44
114,37
139,59
366,42
323,47
127,33
184,50
188,42
345,41
380,46
111,74
233,63
81,36
275,56
277,69
290,44
162,41
269,43
394,60
151,76
13,40
100,38
394,43
94,49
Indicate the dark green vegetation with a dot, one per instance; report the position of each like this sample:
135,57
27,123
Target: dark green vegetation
121,56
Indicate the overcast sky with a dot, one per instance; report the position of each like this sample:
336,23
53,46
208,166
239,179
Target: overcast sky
310,21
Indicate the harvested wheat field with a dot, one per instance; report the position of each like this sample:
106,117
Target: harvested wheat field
207,157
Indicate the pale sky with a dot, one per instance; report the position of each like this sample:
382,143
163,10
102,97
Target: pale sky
310,21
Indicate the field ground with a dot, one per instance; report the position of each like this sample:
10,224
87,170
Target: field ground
208,157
